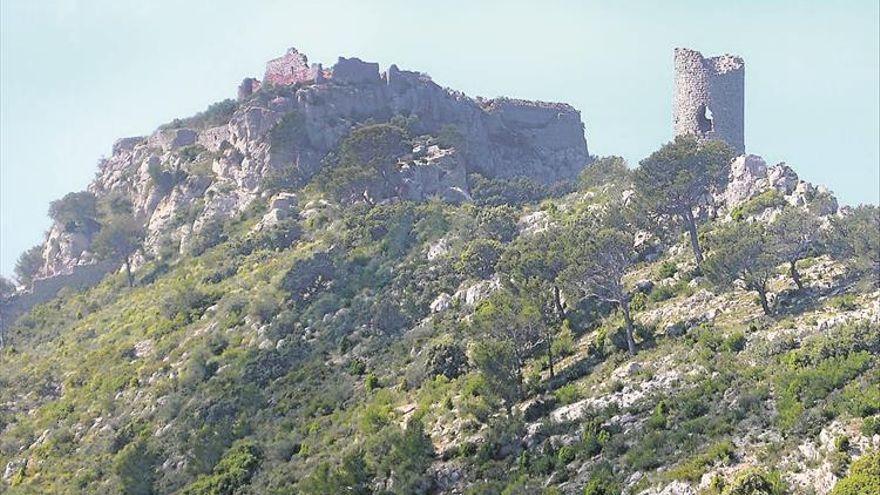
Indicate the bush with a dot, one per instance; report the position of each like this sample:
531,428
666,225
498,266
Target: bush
605,171
767,199
479,257
844,302
76,212
602,482
667,270
7,288
863,477
496,191
801,388
216,114
567,394
371,382
164,180
366,164
693,469
735,342
566,455
563,344
279,236
230,474
755,482
661,293
357,367
135,465
186,302
308,277
871,426
29,264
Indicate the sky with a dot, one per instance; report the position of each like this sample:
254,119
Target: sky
75,75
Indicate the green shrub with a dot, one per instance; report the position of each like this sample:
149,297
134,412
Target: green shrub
567,394
216,114
566,455
843,302
367,161
767,199
76,212
371,382
357,367
661,293
563,344
863,477
479,257
186,302
693,469
667,269
755,482
657,419
230,474
29,264
871,426
135,465
497,191
735,342
800,388
602,481
605,171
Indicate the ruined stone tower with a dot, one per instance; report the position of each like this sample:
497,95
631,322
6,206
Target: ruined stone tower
709,97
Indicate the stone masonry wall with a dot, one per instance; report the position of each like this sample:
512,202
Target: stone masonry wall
715,84
80,277
291,68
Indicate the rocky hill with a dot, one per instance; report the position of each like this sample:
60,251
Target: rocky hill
354,282
215,164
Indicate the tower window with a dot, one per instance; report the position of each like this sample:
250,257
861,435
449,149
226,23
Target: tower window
704,119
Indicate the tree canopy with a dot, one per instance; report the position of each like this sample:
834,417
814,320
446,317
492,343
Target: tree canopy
118,239
76,211
740,251
673,179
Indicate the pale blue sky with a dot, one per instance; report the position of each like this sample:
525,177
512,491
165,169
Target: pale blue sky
76,75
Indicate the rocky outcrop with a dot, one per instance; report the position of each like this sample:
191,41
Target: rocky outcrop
182,178
750,176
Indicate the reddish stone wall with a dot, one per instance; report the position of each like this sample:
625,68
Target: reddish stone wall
291,68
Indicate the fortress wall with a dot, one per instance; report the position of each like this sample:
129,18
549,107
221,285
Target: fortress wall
82,277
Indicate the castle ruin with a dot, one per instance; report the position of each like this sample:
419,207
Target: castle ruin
710,97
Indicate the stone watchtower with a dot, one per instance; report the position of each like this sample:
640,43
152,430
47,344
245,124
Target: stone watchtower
710,97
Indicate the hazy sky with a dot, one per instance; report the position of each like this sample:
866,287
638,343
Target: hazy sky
76,75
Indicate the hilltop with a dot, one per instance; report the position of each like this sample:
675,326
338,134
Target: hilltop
354,281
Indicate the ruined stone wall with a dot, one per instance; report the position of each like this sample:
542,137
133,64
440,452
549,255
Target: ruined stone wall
80,277
710,97
291,68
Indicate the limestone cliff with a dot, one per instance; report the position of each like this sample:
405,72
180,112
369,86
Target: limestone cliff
195,171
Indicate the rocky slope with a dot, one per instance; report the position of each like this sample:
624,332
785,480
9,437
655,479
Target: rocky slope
328,340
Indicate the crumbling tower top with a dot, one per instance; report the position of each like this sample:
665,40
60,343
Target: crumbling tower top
710,97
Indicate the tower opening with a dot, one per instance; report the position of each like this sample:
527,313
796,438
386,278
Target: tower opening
705,120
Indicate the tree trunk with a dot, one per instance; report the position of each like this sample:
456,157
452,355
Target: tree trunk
520,391
550,352
691,225
762,296
795,275
630,341
128,272
557,301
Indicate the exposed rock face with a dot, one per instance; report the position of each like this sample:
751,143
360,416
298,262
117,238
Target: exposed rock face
434,172
218,171
750,176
